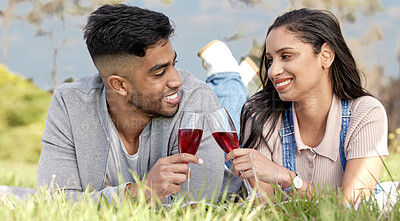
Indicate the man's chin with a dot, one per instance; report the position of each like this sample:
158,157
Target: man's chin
171,112
166,112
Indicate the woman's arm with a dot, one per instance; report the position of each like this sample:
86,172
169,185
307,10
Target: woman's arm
360,178
367,144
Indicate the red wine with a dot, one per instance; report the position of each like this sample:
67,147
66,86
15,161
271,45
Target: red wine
227,140
189,140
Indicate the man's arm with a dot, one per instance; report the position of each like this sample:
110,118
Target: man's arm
58,164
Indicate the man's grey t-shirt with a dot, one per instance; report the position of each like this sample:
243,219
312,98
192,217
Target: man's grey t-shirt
120,164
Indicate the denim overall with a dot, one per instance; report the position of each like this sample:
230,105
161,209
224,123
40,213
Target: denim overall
289,142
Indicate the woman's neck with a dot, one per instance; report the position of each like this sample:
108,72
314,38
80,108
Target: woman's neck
312,115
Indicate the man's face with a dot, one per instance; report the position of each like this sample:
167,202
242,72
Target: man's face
155,82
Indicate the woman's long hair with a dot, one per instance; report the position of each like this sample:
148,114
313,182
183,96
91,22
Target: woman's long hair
313,27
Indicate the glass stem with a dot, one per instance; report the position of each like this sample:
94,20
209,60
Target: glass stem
248,187
188,181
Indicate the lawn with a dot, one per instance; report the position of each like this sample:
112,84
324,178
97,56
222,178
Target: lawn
43,207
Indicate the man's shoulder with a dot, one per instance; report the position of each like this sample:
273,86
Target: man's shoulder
84,85
190,82
196,95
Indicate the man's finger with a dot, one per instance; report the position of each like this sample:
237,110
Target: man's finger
184,158
177,168
172,189
180,178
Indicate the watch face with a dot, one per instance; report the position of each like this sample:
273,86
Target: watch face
297,182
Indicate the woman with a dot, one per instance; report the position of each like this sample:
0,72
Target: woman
313,125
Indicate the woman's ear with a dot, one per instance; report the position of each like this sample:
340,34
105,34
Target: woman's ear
118,84
327,55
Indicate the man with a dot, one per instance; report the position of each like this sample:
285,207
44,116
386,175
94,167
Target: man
103,128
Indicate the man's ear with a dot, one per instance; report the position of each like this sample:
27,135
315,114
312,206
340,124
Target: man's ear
327,55
118,84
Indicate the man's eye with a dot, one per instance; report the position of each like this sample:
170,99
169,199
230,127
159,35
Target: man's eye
160,74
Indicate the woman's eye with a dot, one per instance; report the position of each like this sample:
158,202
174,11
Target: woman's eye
285,56
269,61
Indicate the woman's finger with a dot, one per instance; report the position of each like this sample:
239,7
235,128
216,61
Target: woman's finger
241,166
246,174
237,153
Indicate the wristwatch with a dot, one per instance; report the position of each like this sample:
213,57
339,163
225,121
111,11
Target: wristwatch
297,183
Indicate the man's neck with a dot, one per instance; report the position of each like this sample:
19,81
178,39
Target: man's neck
129,125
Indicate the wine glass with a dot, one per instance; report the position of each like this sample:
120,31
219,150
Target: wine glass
189,135
224,132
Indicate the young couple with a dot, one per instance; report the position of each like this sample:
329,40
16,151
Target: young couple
311,125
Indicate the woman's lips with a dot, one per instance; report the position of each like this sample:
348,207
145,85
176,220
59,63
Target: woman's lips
281,84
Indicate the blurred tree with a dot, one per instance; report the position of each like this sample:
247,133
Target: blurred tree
167,2
345,10
398,61
45,10
248,2
8,15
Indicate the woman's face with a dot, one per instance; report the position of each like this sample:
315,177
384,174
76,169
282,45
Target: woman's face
296,72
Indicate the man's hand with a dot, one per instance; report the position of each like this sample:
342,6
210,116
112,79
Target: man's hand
166,176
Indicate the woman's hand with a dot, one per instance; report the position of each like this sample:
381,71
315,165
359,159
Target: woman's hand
249,163
252,165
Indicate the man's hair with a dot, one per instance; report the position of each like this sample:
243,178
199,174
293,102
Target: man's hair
121,29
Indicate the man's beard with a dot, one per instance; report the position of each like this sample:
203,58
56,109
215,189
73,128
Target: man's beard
148,105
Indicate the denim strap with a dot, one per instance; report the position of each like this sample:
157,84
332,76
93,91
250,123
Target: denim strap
346,112
289,142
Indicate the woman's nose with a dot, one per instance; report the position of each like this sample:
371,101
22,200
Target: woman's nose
275,70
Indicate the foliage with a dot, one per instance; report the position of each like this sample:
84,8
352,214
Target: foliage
394,141
8,15
42,206
22,117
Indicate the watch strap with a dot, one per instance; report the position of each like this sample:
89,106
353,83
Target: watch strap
290,189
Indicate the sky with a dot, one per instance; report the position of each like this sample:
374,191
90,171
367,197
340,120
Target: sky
196,23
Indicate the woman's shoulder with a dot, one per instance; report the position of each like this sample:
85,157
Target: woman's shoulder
366,109
365,104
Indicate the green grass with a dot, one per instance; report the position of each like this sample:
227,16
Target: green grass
43,207
392,163
18,173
